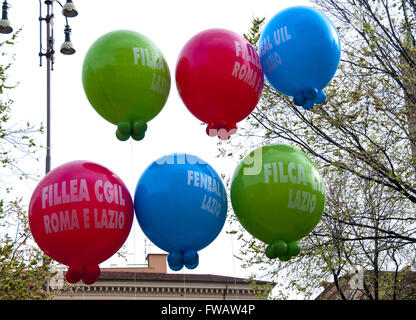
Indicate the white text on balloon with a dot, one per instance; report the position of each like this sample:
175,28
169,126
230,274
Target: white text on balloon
67,221
303,201
278,172
58,193
201,180
211,205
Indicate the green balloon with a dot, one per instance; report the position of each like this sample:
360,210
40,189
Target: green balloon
126,80
278,194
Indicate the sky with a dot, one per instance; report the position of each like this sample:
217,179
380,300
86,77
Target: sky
79,133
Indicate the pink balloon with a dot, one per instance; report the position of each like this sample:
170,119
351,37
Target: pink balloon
80,214
220,79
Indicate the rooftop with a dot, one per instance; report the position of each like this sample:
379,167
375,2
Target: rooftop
127,274
156,270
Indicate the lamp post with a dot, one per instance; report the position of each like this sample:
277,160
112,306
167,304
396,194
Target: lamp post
68,10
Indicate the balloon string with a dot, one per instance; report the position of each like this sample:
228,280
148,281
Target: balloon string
184,282
131,165
233,260
232,248
132,188
133,226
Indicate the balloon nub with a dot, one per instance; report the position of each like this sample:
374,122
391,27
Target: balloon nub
88,274
275,249
136,130
293,248
308,105
284,258
311,93
307,98
222,130
299,99
191,266
123,131
191,259
139,129
321,98
74,273
177,260
176,267
282,250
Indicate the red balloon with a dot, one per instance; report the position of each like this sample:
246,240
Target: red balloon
80,214
220,79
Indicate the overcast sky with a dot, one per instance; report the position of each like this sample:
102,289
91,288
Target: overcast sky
79,133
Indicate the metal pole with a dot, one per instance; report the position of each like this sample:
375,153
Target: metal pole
49,66
48,114
49,57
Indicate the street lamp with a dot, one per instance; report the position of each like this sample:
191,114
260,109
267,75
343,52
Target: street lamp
4,22
67,48
68,10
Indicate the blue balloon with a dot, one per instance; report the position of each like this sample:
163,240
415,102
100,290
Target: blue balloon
181,205
300,50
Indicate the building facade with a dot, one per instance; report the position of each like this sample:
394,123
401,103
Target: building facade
391,285
153,282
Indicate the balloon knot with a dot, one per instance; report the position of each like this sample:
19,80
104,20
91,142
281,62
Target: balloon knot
177,260
126,129
224,130
307,98
88,274
283,250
